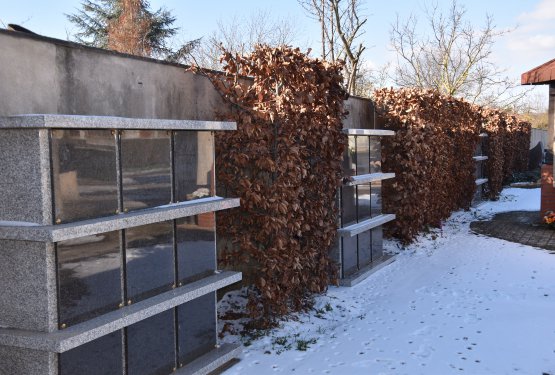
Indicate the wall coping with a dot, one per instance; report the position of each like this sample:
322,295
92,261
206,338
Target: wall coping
49,121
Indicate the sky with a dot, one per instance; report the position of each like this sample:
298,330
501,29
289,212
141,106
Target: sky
530,43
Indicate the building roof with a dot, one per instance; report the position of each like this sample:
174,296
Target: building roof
540,75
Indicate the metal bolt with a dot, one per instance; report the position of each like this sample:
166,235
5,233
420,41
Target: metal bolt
129,302
58,221
116,211
126,210
180,284
121,305
63,326
174,286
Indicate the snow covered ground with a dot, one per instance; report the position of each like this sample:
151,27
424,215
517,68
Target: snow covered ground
452,303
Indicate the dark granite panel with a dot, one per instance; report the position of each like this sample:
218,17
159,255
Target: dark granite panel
89,277
350,257
102,356
196,247
151,345
349,158
364,249
377,243
348,205
194,165
376,198
84,174
363,155
363,202
197,328
145,160
150,260
375,155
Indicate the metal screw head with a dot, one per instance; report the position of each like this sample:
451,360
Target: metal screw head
63,326
58,221
180,284
126,210
174,286
129,302
116,211
121,305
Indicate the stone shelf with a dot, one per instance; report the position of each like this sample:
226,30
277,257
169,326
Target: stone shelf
211,361
366,178
481,181
353,230
374,132
77,335
43,121
55,233
480,158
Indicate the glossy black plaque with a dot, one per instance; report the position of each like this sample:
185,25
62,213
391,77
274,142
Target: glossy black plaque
350,255
145,163
349,165
376,198
363,155
194,165
196,247
197,328
375,155
348,205
363,202
364,249
150,260
84,174
102,356
377,243
89,277
151,345
478,170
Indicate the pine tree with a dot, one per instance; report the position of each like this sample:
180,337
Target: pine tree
128,26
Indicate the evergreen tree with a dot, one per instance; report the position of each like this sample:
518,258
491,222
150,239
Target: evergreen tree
128,26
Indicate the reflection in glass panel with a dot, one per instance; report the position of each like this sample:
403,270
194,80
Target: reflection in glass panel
197,328
194,165
363,202
364,249
101,356
196,247
151,345
376,198
145,164
89,277
478,170
349,259
375,155
363,155
348,205
349,158
84,174
377,243
150,260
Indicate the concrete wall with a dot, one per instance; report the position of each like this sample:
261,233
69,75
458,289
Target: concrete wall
42,75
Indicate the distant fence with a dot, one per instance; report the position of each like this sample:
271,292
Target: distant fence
538,135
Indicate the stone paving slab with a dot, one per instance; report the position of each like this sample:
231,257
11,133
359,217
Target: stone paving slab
523,227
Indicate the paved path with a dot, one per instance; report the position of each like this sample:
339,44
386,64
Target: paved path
523,227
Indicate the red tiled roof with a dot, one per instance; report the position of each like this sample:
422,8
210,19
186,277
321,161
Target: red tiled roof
540,75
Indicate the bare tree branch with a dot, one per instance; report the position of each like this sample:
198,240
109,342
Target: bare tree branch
454,58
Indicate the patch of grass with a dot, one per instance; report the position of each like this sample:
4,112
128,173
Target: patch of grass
303,345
